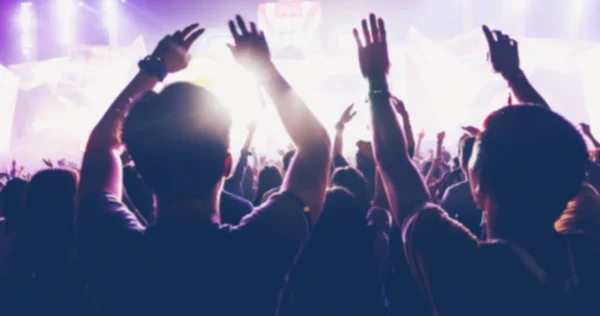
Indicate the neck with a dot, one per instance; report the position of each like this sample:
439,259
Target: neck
204,210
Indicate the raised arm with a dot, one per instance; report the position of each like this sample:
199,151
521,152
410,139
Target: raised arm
338,143
402,181
408,132
307,176
504,56
234,184
102,170
437,161
587,131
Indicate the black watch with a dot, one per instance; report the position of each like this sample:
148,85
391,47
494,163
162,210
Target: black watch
153,66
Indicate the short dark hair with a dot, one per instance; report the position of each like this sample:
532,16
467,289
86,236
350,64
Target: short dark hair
466,150
287,159
354,181
179,141
532,161
46,227
12,202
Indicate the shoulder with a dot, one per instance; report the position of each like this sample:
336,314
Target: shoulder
235,200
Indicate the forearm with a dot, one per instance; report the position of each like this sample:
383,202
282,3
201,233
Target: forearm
338,142
379,196
249,139
304,129
101,169
594,141
418,148
234,183
410,137
403,183
524,91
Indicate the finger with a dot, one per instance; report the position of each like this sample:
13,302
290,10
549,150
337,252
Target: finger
177,36
366,32
382,31
242,25
192,38
498,35
261,34
374,28
233,30
353,114
253,28
506,39
488,35
186,32
514,43
357,38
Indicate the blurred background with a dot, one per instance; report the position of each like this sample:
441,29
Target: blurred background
63,61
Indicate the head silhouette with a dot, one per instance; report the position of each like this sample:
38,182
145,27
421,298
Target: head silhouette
179,141
353,181
12,202
46,226
526,165
268,178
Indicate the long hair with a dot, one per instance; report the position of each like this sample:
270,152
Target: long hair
12,202
46,229
269,178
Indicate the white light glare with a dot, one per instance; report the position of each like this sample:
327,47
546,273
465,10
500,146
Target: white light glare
519,6
67,11
26,16
109,8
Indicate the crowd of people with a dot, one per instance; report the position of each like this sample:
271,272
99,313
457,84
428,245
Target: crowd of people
159,220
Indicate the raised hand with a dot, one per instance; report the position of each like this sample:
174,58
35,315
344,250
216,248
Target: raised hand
471,130
421,134
48,163
174,48
347,116
503,52
250,49
440,137
373,56
585,128
399,106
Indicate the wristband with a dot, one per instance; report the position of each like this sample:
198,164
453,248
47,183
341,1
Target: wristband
379,93
153,66
339,126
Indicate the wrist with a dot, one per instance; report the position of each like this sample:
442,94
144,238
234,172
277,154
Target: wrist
339,126
378,82
514,74
153,66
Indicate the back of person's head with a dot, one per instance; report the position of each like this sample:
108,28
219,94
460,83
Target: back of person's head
46,228
268,178
179,141
287,159
12,202
528,162
354,181
465,151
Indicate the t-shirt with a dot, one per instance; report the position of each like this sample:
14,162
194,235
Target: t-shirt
461,276
233,208
192,267
459,204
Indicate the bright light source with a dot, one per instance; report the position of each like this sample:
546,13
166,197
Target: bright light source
577,8
519,6
26,16
66,12
110,18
